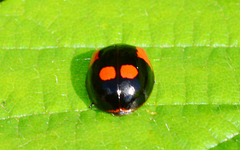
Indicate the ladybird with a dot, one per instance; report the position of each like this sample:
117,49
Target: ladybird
120,78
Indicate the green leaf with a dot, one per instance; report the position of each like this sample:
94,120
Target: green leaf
45,49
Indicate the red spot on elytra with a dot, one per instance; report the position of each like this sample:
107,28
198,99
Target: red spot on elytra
142,54
94,57
107,73
128,71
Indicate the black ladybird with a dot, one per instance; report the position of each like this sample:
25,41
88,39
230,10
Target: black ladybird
120,78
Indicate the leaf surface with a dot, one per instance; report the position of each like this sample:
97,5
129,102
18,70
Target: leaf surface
45,49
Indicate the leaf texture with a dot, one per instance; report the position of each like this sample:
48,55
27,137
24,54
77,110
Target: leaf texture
45,49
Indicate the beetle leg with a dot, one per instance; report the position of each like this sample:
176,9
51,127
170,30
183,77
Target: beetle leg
91,105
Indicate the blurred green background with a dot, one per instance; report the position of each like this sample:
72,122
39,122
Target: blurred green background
45,49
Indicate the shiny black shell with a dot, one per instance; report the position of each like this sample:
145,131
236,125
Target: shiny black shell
119,95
